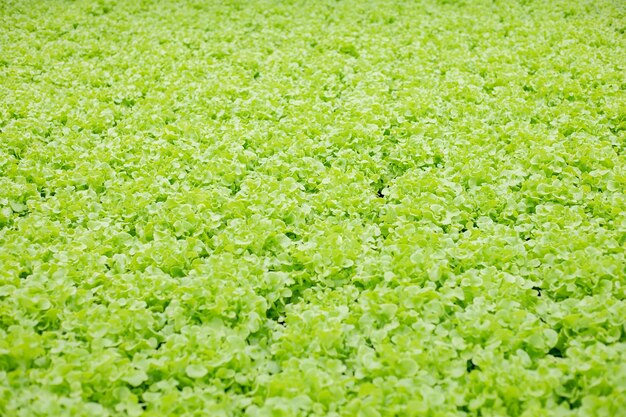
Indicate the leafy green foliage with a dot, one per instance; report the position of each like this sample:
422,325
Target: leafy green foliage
329,208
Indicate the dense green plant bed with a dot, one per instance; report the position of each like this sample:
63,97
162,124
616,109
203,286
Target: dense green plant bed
314,208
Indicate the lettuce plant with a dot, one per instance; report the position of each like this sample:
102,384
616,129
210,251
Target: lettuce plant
331,208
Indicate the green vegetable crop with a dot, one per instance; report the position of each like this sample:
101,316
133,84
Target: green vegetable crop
312,208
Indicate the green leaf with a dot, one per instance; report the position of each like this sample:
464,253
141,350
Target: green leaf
196,371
